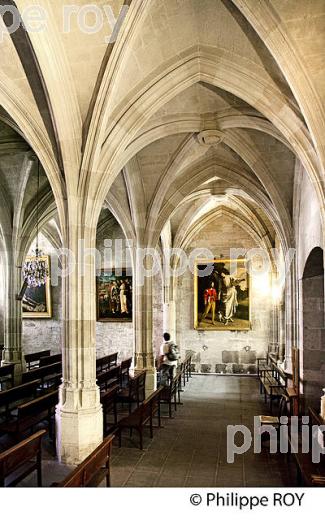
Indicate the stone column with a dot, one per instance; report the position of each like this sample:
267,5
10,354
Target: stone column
291,313
13,317
144,355
79,417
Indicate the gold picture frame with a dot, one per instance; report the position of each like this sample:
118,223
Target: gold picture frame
114,295
37,302
222,298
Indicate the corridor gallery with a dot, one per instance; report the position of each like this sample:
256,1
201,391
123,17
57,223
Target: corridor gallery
162,173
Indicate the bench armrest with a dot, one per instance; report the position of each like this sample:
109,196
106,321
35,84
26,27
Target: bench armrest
318,480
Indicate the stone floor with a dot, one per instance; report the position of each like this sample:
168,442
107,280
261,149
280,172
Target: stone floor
191,449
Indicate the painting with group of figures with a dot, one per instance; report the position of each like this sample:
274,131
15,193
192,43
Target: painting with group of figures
221,295
114,296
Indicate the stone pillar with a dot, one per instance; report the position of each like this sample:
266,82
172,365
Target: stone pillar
13,317
169,319
291,313
79,417
144,354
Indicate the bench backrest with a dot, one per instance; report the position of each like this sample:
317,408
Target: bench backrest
106,362
136,384
39,405
315,420
126,365
108,397
284,407
152,402
112,375
102,363
50,360
36,356
173,385
25,451
19,392
7,370
42,372
88,470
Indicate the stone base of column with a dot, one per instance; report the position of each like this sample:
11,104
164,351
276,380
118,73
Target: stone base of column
144,361
79,431
15,357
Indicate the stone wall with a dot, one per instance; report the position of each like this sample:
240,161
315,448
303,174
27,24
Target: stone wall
110,336
45,333
223,351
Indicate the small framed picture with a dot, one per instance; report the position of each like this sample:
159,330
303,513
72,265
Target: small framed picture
37,302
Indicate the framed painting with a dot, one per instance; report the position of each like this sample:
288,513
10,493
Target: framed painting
36,302
114,296
221,295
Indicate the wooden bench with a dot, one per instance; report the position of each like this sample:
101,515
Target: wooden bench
310,473
49,375
273,383
109,378
30,414
188,366
32,360
17,394
141,416
106,362
185,368
108,401
171,393
125,371
50,360
24,458
271,358
134,392
93,470
7,375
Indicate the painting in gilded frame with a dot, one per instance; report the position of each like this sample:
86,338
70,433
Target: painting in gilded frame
221,295
36,302
114,295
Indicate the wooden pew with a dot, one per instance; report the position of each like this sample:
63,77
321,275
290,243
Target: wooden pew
93,470
30,414
21,460
17,394
50,360
188,366
106,362
310,473
273,383
49,375
134,393
109,378
32,360
125,371
171,393
141,416
108,401
7,375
